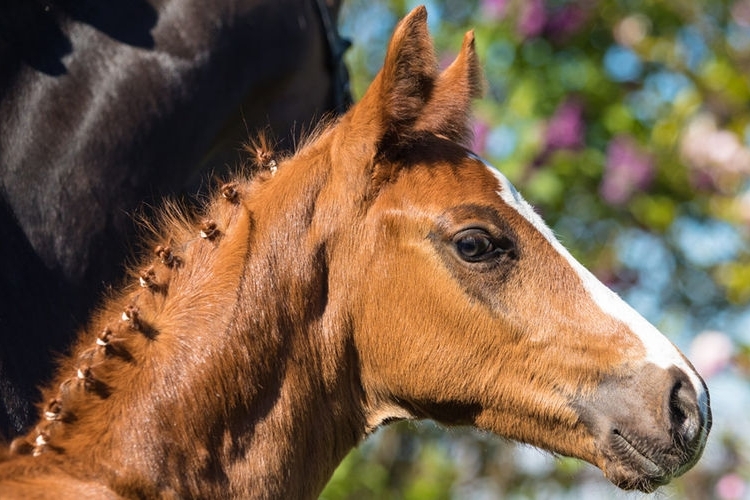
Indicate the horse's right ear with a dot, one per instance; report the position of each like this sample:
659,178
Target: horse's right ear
397,96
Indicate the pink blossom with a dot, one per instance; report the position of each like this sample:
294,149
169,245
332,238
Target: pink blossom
741,12
628,169
711,352
565,129
494,10
567,21
731,487
532,19
535,19
717,158
480,129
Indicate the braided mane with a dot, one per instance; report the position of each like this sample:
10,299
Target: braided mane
184,252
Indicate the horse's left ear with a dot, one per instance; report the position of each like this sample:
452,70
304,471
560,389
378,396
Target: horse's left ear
448,111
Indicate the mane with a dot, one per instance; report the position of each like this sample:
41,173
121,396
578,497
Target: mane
168,276
176,219
262,154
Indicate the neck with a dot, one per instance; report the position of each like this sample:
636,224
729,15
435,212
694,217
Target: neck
196,383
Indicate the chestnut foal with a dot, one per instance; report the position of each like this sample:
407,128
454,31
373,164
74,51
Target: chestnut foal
383,272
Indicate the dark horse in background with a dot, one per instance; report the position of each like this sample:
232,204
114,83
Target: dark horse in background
107,105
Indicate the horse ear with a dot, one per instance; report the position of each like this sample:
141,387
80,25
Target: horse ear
398,94
448,111
409,97
409,72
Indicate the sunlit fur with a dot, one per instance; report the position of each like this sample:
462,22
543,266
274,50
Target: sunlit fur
262,338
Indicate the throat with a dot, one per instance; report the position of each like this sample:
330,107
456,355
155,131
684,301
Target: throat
294,449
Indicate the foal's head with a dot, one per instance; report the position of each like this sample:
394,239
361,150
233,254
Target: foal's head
465,307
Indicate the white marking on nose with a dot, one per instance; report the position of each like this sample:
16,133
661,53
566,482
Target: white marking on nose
659,350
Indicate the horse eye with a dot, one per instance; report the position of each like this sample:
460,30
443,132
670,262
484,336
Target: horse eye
474,245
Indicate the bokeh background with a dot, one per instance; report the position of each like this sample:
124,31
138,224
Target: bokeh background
627,124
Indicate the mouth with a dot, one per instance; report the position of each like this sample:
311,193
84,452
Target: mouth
637,466
648,427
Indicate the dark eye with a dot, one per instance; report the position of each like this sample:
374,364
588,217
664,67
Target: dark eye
475,245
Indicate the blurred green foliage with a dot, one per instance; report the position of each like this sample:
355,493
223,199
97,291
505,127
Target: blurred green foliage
627,124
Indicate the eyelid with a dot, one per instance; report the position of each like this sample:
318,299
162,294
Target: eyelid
477,226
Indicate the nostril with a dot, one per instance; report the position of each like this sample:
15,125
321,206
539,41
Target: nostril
676,405
684,412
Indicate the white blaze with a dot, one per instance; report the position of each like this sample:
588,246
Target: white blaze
659,350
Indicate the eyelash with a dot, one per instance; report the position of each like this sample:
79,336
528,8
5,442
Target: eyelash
477,245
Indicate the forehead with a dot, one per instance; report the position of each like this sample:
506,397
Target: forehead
441,185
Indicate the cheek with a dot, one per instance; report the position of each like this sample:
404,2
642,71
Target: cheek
418,322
